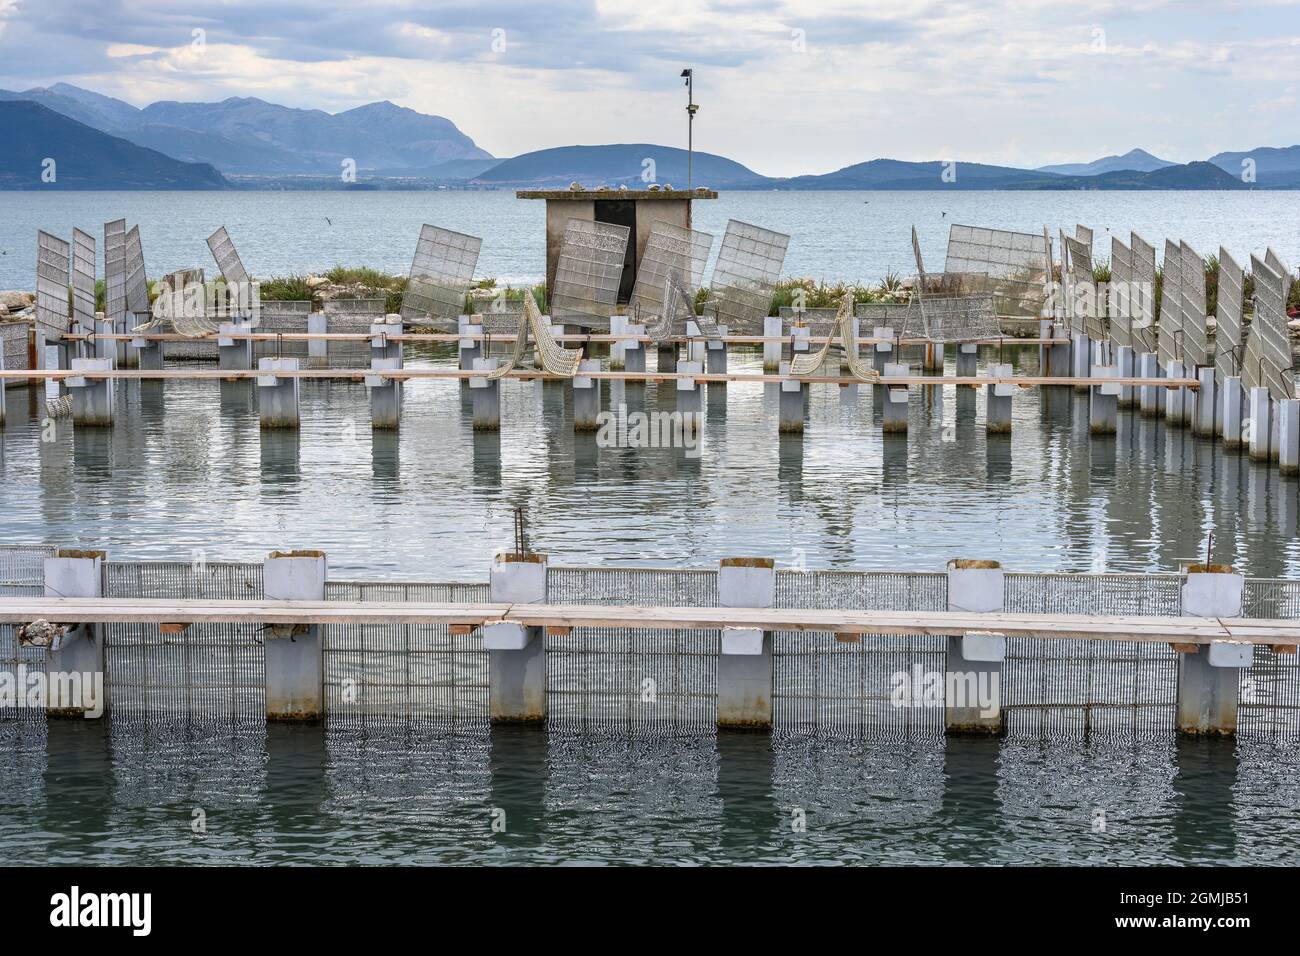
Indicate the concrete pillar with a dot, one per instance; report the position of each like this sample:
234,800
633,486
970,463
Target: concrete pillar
1202,405
469,349
92,398
1233,408
127,355
1209,676
1288,436
382,343
318,350
998,402
1059,356
933,361
800,339
883,351
690,398
1175,398
617,324
516,654
896,401
3,388
1274,432
149,353
772,350
666,358
717,356
1150,397
1125,360
967,358
234,354
1103,403
486,397
745,661
104,348
1081,355
634,351
277,396
1258,425
695,346
586,397
78,684
973,679
790,410
295,662
385,394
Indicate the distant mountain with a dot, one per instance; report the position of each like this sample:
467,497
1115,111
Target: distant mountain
1276,167
1200,175
251,136
900,174
1138,160
616,165
86,158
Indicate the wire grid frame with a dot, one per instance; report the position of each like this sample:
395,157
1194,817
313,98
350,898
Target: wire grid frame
1072,688
392,673
670,250
115,269
589,271
83,278
227,258
1228,317
13,345
959,318
1268,704
52,265
212,673
353,316
1015,262
1143,325
819,320
1196,339
287,316
824,686
137,287
1089,320
639,681
1169,329
902,317
1120,305
745,276
1268,359
442,271
22,574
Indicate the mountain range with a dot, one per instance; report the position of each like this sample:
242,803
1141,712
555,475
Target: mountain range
250,143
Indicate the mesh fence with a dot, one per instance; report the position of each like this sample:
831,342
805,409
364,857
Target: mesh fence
745,276
22,574
588,272
52,266
227,258
115,269
670,250
1227,318
13,345
1268,359
633,680
1012,265
382,673
442,271
210,672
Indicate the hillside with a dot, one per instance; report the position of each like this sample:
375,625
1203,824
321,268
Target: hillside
614,165
86,158
1137,160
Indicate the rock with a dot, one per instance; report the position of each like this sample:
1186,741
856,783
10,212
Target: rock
316,282
4,309
14,300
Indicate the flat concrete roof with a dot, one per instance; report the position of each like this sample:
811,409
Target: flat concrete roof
587,195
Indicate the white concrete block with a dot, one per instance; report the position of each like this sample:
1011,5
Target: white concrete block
742,641
505,636
1231,654
983,646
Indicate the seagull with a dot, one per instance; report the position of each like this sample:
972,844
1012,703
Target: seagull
329,220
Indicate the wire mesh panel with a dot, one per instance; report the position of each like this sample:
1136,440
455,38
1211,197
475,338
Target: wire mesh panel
670,250
635,680
377,673
1015,262
285,316
850,689
227,258
589,271
83,278
115,269
441,274
745,276
13,345
1196,340
137,288
52,265
210,672
1169,332
1084,305
1268,361
1068,687
1144,282
22,574
959,319
1119,303
1268,703
22,569
352,317
1227,318
902,317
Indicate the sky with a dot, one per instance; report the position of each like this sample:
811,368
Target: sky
783,87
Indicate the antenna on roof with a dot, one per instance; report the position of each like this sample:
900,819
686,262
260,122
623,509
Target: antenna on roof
691,108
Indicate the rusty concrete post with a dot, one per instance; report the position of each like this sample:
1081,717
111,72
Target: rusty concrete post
1209,675
745,659
973,674
516,654
77,685
295,661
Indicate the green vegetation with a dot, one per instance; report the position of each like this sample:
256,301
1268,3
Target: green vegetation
285,289
821,295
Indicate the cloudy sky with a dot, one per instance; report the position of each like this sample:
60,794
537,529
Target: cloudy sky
784,87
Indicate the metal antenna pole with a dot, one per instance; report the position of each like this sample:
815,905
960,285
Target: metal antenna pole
691,108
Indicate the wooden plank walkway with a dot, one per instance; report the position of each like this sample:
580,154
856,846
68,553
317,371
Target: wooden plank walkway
415,374
1173,630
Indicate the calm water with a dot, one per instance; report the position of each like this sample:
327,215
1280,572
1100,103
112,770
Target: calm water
836,235
186,469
